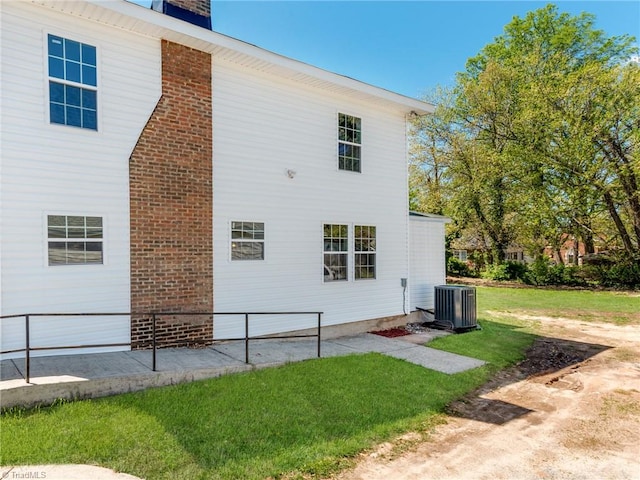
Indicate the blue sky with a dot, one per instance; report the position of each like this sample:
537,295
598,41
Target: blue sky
405,46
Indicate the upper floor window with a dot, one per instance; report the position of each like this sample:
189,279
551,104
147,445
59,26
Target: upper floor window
74,240
72,83
349,143
247,241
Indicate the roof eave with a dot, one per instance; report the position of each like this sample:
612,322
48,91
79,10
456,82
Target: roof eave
129,16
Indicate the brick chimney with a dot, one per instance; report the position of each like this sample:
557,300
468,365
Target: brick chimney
197,12
171,198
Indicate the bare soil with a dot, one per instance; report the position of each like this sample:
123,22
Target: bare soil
570,410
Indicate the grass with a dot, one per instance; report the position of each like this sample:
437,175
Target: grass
303,419
621,308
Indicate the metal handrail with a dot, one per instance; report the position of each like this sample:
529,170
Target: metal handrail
154,316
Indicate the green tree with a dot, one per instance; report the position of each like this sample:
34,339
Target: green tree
540,136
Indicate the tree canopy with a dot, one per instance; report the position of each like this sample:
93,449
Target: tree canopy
539,139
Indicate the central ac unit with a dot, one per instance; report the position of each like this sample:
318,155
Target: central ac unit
456,305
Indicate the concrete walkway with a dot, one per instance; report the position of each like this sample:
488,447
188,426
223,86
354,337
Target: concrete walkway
102,374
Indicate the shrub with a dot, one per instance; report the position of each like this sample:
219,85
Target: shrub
457,267
613,271
544,272
506,271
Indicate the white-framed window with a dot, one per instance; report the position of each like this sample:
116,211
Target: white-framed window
345,245
349,143
74,240
460,255
73,82
336,252
364,252
247,240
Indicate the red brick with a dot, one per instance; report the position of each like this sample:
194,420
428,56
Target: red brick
171,203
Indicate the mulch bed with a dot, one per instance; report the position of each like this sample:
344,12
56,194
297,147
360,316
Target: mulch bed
392,332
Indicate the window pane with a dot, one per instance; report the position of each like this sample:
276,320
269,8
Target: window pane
89,119
342,134
75,232
57,232
93,252
75,252
56,92
56,67
56,113
335,267
74,116
55,46
89,75
72,71
72,50
88,99
75,221
247,251
57,253
72,95
93,221
56,220
94,233
89,55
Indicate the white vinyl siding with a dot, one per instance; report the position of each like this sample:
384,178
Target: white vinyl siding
293,128
427,257
54,169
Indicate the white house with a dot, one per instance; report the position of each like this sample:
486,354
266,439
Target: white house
150,164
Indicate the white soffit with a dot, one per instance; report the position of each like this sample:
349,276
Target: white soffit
129,16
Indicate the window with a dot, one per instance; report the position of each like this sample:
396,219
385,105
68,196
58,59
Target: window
340,252
460,255
336,252
72,83
349,142
365,252
247,241
74,240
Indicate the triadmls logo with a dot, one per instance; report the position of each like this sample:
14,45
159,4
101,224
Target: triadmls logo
14,474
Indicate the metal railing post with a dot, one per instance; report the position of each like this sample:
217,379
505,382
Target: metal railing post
153,337
319,324
27,358
246,338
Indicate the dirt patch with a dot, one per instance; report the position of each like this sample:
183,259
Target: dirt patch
570,410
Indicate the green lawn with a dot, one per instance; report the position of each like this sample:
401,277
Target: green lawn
308,418
621,308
